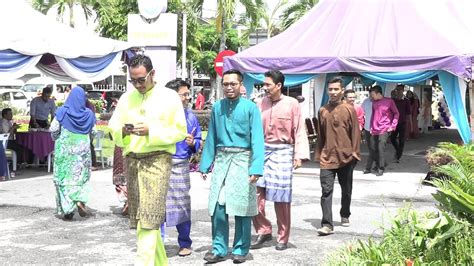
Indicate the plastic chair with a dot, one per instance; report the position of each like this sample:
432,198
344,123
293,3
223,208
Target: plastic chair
4,140
98,145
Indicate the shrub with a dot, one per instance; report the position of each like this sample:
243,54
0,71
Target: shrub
204,116
456,194
15,111
446,238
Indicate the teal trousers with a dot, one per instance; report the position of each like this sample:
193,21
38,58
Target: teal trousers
220,233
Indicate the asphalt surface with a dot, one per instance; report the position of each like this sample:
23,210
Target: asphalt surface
30,232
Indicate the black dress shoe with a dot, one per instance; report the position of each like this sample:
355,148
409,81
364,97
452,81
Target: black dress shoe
239,259
281,246
260,240
367,171
212,258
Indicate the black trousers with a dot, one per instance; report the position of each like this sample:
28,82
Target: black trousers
372,151
327,178
377,144
397,138
41,123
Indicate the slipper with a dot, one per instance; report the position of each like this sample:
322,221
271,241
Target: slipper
81,208
125,210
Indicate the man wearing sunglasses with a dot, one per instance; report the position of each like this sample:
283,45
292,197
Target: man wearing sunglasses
147,124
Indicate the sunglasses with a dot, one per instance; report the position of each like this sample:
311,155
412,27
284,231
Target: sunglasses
140,80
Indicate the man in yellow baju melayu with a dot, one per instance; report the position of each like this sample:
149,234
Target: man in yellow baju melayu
147,124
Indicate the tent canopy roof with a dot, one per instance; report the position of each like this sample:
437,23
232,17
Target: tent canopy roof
29,32
369,36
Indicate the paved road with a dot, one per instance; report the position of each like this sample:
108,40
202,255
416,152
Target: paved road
30,233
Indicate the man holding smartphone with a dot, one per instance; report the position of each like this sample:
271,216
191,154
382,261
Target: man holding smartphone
147,124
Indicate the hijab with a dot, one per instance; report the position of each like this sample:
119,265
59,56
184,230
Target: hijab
73,115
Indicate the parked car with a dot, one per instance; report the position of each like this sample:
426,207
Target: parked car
34,87
17,99
109,97
11,84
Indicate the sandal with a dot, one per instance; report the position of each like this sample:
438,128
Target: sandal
125,209
68,216
81,208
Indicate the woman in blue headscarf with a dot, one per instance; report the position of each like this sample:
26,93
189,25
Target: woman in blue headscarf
70,129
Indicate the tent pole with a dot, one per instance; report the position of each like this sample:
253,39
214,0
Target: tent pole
471,104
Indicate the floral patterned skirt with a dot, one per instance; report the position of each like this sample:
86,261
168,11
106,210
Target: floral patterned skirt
72,170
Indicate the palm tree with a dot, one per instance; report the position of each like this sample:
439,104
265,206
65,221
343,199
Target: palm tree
296,11
270,23
225,15
44,5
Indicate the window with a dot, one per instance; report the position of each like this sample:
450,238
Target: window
19,96
6,97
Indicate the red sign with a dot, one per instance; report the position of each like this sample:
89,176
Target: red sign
219,62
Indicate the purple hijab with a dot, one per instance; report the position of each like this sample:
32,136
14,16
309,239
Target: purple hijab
73,115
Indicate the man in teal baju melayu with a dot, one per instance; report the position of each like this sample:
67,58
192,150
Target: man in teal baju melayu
235,144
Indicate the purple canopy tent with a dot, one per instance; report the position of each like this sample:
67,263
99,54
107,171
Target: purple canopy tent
369,36
374,36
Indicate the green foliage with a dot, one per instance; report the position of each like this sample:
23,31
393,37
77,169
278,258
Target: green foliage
422,238
294,12
44,5
203,117
208,39
15,111
436,239
456,194
113,17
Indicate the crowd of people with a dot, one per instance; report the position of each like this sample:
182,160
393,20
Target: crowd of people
252,149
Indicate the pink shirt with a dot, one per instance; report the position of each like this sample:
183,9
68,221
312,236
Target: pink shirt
384,116
360,115
284,124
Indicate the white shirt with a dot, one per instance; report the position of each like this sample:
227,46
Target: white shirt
5,126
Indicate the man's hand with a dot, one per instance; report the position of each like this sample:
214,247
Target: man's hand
140,129
203,175
296,163
357,157
127,130
253,178
190,140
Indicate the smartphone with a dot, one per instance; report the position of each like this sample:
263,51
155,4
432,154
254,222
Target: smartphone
129,126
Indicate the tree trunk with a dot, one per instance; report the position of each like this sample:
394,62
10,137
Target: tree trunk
71,15
219,92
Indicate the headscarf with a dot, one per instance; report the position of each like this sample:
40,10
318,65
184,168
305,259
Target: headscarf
73,115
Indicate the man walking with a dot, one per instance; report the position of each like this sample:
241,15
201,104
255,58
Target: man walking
235,144
178,200
369,140
286,144
338,151
397,137
384,120
147,124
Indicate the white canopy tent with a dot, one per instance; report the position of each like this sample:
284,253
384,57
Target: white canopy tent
30,39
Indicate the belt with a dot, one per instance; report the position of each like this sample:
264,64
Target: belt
145,155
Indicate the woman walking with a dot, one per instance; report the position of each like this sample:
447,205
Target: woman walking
72,154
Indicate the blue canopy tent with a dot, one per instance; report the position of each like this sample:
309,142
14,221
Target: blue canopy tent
30,39
394,41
